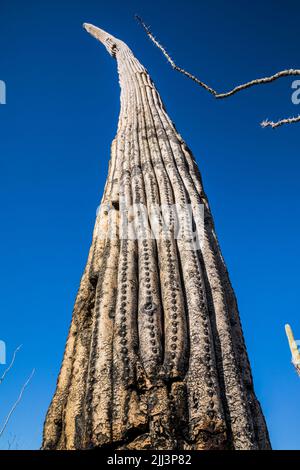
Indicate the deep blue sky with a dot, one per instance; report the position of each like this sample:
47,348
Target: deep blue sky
55,134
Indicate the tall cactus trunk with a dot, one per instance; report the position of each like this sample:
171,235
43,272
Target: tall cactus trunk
155,357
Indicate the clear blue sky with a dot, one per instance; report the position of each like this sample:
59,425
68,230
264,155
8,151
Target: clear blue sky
55,134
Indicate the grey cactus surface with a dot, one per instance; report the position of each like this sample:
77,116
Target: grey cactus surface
155,357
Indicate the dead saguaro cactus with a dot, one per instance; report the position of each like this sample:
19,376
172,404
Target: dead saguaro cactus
155,357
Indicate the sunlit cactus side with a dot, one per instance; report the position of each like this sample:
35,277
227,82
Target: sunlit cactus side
294,348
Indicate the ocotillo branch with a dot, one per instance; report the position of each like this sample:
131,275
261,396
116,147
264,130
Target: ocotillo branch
217,95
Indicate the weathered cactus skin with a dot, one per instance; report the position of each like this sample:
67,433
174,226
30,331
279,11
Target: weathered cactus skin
155,357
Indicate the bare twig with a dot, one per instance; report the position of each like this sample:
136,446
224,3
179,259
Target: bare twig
171,61
258,81
11,442
281,122
16,403
11,364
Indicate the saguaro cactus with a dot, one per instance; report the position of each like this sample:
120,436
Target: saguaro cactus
155,356
294,348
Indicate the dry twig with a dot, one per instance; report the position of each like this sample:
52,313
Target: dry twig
16,403
281,122
11,364
244,86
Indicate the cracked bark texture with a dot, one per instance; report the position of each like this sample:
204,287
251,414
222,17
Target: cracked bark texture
155,357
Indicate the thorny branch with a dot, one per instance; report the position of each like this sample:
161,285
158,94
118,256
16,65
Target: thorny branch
281,122
16,403
259,81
